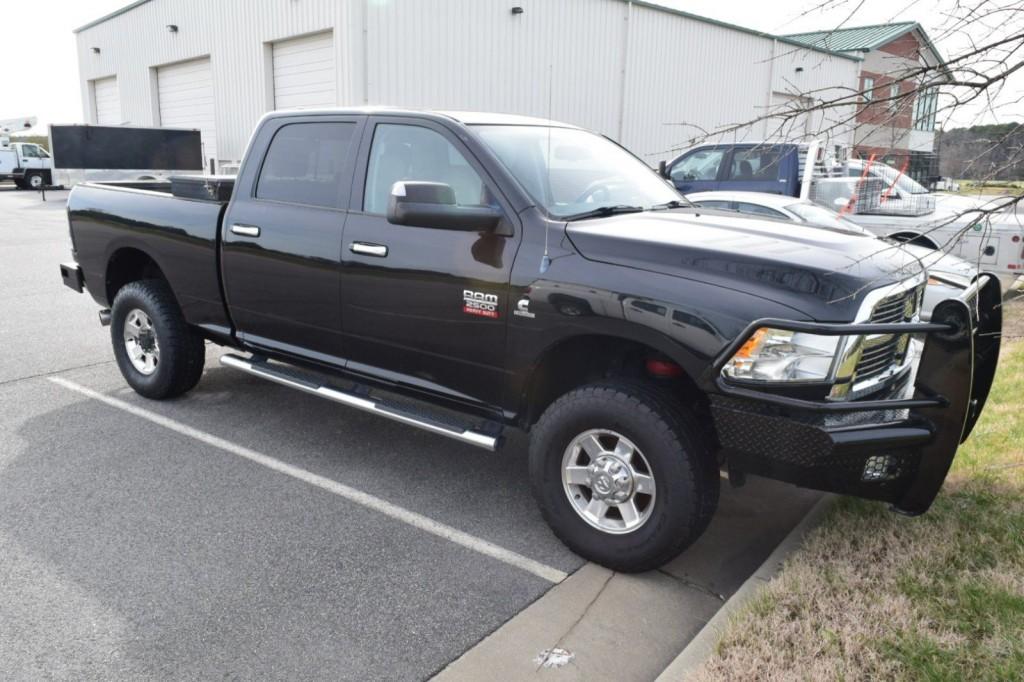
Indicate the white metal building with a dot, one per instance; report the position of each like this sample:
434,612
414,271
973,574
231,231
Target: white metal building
645,75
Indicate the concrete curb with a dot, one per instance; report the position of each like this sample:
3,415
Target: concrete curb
702,646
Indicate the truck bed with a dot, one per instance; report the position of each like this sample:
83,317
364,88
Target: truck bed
119,222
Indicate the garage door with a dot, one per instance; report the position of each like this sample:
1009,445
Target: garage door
185,92
108,101
304,72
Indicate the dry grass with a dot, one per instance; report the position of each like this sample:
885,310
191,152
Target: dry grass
1013,315
973,188
873,595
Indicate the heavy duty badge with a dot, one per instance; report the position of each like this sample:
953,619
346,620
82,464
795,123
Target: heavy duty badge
479,303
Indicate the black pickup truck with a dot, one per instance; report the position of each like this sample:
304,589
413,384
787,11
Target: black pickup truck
470,273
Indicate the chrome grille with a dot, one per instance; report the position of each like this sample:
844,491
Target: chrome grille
886,351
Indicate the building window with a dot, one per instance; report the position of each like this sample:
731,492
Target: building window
925,108
867,89
894,97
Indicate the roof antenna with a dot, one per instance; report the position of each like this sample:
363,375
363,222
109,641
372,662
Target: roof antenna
545,261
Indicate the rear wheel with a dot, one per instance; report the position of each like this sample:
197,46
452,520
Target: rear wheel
159,355
622,476
34,180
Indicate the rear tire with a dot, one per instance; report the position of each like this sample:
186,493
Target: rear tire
158,354
34,180
669,460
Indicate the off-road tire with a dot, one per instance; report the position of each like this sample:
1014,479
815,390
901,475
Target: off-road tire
685,472
182,350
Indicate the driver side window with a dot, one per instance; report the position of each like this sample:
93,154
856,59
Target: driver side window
700,165
409,152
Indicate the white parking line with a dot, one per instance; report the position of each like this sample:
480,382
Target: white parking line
359,497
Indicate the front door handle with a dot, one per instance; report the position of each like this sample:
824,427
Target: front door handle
367,249
245,230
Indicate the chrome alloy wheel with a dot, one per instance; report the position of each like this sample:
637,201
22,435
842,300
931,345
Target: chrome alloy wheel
608,481
140,341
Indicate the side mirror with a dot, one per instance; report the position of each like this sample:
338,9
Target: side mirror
663,169
432,204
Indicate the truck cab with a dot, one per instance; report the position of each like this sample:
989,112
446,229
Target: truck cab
771,168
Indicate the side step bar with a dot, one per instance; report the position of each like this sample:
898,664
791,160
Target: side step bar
311,383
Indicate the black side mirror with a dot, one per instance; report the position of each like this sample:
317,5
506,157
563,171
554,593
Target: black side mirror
432,204
663,169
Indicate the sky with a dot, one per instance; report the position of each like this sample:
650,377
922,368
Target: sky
39,70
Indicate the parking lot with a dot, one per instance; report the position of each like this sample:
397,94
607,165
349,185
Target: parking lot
247,530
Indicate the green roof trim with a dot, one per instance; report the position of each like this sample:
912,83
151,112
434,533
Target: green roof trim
864,38
107,17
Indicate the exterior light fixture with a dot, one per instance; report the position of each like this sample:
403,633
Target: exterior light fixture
517,10
172,28
95,50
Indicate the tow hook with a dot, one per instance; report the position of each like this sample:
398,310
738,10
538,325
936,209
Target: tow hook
105,317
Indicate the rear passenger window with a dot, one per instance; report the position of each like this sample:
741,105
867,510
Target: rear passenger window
755,164
305,164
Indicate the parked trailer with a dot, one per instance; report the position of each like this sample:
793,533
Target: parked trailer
87,153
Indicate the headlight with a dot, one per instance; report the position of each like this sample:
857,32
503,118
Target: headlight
781,355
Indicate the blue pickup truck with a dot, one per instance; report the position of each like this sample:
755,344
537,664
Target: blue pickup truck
751,167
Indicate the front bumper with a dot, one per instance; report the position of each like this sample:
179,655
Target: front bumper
894,448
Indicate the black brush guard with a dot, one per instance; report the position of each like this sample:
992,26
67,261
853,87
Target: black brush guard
903,453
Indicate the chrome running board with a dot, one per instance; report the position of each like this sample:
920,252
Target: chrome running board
312,383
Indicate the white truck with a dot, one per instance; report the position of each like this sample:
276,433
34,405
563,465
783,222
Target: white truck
26,163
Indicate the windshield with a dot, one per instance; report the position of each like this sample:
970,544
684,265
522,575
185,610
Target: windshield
904,183
819,216
581,173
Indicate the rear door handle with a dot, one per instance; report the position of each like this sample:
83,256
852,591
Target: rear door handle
367,249
245,230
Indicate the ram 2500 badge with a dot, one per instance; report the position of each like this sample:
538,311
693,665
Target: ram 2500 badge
472,273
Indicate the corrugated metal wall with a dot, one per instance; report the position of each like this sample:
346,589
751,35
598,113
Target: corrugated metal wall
646,77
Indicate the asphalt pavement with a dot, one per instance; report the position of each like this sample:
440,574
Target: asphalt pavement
246,530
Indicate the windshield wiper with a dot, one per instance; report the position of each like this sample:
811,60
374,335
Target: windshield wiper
604,211
675,203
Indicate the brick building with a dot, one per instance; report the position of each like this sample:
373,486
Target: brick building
897,128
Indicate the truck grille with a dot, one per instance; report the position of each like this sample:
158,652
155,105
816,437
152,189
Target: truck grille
886,351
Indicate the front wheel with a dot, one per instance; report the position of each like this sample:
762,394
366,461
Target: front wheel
159,355
622,476
35,180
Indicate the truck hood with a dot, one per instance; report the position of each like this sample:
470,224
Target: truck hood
821,273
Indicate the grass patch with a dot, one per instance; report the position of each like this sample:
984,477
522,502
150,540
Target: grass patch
989,187
873,595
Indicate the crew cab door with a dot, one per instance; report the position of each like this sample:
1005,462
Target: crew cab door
698,170
281,254
758,168
410,293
